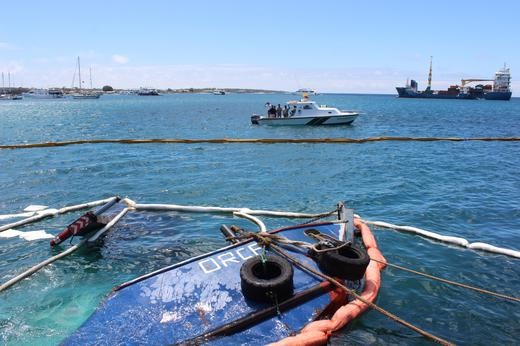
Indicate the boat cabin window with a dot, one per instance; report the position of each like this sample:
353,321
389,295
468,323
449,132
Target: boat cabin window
307,107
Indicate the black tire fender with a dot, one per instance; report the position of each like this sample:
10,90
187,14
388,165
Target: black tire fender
264,281
348,262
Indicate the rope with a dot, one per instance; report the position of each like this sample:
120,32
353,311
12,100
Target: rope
319,217
258,140
268,239
352,292
480,290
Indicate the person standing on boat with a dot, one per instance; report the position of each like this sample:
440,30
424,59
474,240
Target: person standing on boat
279,111
285,111
272,112
293,111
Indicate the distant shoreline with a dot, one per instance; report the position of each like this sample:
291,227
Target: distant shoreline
20,90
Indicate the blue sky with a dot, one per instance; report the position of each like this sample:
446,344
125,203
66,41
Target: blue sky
333,46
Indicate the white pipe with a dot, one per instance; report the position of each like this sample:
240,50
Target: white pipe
256,220
53,212
12,216
86,205
37,267
216,210
31,219
70,250
108,225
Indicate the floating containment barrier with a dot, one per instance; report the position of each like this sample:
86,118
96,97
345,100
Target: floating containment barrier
445,239
256,140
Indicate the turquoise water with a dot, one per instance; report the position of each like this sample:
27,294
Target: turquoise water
468,189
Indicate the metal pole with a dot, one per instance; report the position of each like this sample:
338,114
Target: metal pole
79,74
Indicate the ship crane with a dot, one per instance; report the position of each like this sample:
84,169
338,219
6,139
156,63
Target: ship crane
464,81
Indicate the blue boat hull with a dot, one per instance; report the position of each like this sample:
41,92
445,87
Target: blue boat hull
498,95
183,302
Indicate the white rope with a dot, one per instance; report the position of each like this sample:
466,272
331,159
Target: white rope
444,238
53,212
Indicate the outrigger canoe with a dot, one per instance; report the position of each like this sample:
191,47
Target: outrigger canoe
244,293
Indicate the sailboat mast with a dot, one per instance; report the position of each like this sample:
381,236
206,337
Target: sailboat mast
79,74
90,74
430,75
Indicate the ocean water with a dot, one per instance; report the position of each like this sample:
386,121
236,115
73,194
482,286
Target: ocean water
468,189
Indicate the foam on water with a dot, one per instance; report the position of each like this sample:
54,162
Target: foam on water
29,235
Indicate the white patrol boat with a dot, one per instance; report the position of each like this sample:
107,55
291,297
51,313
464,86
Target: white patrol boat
306,112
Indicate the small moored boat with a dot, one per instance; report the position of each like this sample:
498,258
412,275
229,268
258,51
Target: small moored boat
306,112
10,97
147,92
52,93
86,96
83,94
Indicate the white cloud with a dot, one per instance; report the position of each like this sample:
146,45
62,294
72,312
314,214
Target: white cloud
11,66
119,59
361,80
6,45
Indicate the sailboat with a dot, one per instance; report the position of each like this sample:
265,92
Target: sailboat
8,95
84,94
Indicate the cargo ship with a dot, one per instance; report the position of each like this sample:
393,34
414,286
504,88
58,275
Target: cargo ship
501,86
500,90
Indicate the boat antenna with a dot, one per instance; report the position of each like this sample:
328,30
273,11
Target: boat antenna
430,75
79,74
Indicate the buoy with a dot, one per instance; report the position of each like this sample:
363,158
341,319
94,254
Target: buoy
318,332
